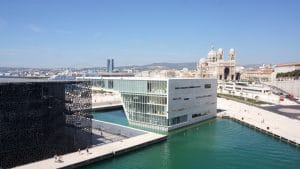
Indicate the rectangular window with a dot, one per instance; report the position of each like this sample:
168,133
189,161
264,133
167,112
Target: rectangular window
187,87
186,98
207,86
177,120
198,97
199,114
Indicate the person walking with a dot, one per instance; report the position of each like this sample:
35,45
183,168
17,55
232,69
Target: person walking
55,158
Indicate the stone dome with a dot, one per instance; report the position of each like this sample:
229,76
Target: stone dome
220,50
220,54
212,53
231,51
232,54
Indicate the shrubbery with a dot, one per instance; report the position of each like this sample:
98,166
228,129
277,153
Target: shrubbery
295,73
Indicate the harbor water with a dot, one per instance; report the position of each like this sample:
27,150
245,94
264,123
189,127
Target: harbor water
213,144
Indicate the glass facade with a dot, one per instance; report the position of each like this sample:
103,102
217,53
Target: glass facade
145,108
144,101
33,124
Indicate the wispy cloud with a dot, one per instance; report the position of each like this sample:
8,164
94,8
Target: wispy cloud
35,28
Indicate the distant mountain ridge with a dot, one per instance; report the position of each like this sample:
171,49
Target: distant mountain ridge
163,65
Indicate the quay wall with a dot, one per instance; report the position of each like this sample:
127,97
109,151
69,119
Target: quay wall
116,129
256,127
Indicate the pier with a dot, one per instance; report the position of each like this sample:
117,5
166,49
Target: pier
97,153
278,126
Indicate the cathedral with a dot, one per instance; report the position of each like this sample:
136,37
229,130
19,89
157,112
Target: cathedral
215,66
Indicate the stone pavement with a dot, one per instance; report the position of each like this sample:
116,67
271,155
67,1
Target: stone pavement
97,153
269,121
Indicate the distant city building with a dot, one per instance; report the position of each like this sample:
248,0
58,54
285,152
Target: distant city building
115,74
287,78
168,73
242,88
214,66
287,67
163,104
262,73
110,65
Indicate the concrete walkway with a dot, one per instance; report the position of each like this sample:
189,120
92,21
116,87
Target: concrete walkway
97,153
277,124
103,102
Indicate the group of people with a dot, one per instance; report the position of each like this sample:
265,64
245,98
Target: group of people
87,150
58,158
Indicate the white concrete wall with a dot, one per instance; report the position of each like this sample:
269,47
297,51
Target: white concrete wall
147,126
192,105
193,121
291,86
285,69
116,129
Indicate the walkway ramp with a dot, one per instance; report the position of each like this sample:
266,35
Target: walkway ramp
97,153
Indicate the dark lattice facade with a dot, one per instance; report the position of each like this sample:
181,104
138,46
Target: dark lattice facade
33,123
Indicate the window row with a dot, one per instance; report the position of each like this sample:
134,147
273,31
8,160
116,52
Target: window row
177,120
199,114
145,108
145,99
148,118
188,87
198,97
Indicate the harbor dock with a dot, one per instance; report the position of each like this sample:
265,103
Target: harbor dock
281,127
97,153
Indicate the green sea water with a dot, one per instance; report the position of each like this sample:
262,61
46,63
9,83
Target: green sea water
113,116
214,144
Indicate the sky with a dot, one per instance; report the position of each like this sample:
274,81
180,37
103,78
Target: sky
85,33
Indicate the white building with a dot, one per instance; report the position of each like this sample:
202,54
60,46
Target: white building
287,67
241,88
164,104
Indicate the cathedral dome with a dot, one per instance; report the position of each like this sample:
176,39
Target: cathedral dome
212,53
232,54
220,50
220,54
231,51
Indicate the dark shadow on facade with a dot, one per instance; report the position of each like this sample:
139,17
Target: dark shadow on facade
33,119
226,73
